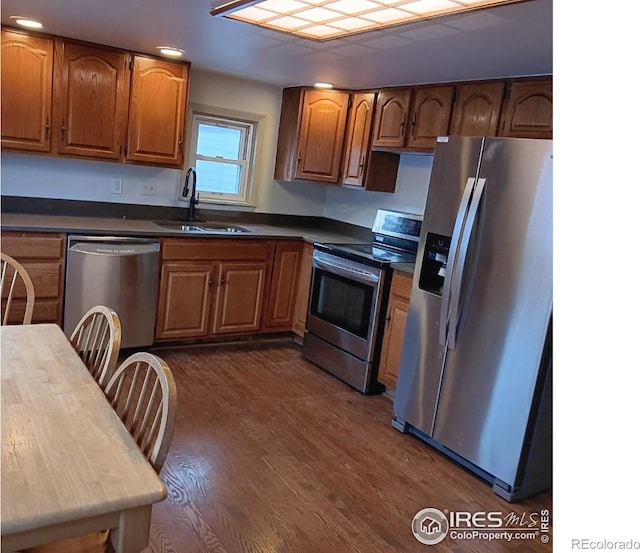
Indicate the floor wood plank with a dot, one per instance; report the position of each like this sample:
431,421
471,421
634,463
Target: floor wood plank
272,454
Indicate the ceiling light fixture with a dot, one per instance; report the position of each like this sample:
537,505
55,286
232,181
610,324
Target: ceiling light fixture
26,22
327,19
323,85
170,51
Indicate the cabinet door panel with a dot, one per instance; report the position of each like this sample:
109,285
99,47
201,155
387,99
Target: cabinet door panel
27,75
92,88
302,295
476,111
528,112
240,297
321,135
185,297
284,285
394,329
430,116
358,139
157,111
391,118
392,343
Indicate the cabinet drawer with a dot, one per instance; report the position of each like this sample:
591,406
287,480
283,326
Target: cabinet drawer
33,245
46,277
44,311
214,250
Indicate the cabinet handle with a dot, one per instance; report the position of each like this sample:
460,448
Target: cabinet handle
47,128
222,280
413,125
210,282
403,122
299,157
388,317
63,128
361,166
180,142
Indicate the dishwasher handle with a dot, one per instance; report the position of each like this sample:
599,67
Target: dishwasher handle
113,245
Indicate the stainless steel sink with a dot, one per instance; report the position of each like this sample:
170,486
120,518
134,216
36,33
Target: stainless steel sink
201,228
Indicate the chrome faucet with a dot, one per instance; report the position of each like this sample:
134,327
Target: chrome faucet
194,198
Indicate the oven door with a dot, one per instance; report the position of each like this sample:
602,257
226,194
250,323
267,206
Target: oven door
344,302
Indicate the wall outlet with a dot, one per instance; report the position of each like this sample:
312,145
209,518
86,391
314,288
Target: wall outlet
148,187
343,208
116,185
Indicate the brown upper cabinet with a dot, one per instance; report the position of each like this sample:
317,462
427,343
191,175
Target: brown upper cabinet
157,111
27,74
362,167
79,99
91,93
476,110
312,126
412,118
528,109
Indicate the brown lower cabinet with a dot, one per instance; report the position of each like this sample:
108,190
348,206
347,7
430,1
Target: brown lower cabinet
43,256
304,285
211,287
223,287
281,303
396,321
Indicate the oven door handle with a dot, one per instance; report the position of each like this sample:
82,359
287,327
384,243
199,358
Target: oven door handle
347,272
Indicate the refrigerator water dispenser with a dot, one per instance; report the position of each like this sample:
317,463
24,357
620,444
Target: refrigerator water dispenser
434,263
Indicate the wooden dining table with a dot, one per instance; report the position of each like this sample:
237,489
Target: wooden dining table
69,466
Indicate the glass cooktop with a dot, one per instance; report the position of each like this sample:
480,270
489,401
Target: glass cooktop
370,252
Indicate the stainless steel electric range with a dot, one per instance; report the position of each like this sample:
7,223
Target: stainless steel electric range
349,293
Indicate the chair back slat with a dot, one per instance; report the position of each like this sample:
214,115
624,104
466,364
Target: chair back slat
142,392
15,277
96,339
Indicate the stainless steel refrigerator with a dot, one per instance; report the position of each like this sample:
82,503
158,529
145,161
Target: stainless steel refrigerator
475,370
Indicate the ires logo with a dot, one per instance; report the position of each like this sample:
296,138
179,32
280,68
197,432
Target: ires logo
464,519
430,526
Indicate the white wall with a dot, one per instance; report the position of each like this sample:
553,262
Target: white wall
410,195
40,176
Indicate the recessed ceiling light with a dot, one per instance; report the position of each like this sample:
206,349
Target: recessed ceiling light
323,85
26,22
170,51
327,19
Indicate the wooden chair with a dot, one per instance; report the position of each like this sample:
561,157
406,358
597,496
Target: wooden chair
16,276
142,392
96,338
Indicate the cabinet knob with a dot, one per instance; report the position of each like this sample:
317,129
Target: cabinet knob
210,281
222,280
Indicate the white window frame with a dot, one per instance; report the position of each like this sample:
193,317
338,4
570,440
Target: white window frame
250,124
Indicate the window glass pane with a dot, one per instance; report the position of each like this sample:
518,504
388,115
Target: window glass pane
217,141
218,177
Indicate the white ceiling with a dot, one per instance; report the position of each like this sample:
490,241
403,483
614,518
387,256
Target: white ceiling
506,41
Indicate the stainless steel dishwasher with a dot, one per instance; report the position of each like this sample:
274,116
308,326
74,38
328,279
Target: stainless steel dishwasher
118,272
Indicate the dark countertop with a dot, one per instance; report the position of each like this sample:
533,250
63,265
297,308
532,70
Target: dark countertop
123,226
103,226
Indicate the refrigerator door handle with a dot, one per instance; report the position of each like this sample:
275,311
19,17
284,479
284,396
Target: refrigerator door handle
460,262
451,261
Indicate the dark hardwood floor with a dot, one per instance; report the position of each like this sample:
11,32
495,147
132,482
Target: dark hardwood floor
272,454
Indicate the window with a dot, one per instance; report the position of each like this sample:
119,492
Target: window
222,152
